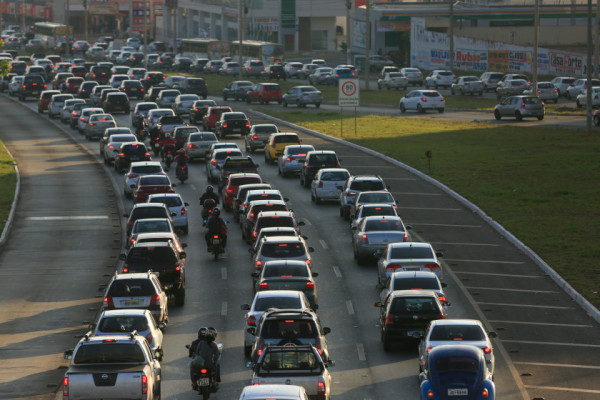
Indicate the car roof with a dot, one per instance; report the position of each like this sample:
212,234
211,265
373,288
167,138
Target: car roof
413,274
278,293
132,275
126,311
285,262
455,350
157,195
145,163
270,214
280,392
410,244
146,205
456,321
279,239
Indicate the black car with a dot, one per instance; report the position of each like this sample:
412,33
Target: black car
182,64
133,88
136,59
193,86
274,72
130,152
164,260
152,78
232,123
18,67
32,85
199,109
315,160
406,314
99,74
116,101
152,93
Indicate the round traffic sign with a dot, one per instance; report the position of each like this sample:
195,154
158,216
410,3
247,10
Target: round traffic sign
349,89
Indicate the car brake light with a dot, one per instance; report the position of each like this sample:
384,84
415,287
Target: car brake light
442,299
484,393
405,237
131,176
289,159
321,388
154,300
108,302
255,137
433,268
365,238
423,99
264,286
487,350
430,394
214,162
389,319
393,267
258,265
149,338
310,285
251,321
144,384
66,386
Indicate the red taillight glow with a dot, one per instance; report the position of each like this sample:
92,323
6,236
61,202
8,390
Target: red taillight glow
258,265
144,384
155,300
149,338
389,319
442,299
310,285
487,350
66,386
108,302
433,268
321,388
251,321
484,393
263,286
430,394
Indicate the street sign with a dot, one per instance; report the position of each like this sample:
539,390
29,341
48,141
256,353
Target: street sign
349,93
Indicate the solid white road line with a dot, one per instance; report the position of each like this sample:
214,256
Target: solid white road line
431,208
417,194
224,309
492,274
594,346
336,271
562,389
484,261
445,225
72,217
224,273
540,323
468,244
558,365
526,305
361,352
350,307
512,290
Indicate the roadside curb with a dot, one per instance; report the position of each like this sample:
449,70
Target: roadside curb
592,311
11,215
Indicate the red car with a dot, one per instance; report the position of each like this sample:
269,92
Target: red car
72,85
78,70
264,93
45,98
213,115
234,181
151,184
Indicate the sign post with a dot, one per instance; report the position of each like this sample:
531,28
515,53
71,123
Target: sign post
348,96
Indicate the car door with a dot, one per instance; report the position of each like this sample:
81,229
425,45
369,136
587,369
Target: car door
411,100
292,95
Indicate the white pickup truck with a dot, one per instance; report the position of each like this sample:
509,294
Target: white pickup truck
112,367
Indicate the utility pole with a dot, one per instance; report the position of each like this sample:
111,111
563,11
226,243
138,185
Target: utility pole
85,9
451,36
589,70
348,53
368,44
536,39
175,8
596,41
146,34
23,16
240,37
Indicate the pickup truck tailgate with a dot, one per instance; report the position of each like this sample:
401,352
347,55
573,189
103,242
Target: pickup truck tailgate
116,382
308,382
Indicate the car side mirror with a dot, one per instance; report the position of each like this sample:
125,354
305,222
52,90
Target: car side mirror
187,346
184,245
304,237
186,204
126,215
326,330
331,363
286,199
173,214
315,307
122,257
182,254
444,284
422,377
311,249
254,274
387,187
492,334
378,304
173,184
251,251
249,364
408,227
439,254
245,307
162,326
68,354
301,223
315,274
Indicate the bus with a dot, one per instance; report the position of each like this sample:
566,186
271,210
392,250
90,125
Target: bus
268,53
213,49
51,34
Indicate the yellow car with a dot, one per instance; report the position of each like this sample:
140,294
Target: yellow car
276,144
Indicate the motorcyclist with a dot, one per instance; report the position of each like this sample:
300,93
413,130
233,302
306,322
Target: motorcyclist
206,347
167,143
181,158
216,226
209,194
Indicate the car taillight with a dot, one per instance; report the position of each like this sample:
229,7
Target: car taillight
154,300
484,393
66,386
263,286
108,302
248,124
433,268
389,318
430,394
225,125
365,238
442,299
423,99
258,265
405,237
82,119
149,338
144,384
321,388
349,194
131,176
251,321
487,350
393,267
441,316
214,162
203,371
289,159
229,190
125,270
310,285
523,105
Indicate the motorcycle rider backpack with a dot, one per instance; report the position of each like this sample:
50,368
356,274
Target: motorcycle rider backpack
215,225
205,352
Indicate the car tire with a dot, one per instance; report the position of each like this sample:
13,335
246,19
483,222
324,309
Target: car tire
462,92
579,105
387,345
317,105
302,180
420,109
402,108
260,100
441,110
497,115
247,99
597,120
247,351
540,117
452,91
224,98
518,116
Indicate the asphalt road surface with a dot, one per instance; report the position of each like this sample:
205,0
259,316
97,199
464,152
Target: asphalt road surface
547,347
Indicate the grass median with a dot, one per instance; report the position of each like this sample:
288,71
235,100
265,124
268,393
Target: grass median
8,182
541,184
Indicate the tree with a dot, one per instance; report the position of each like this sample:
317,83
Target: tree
4,67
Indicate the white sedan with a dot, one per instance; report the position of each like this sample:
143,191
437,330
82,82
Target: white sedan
422,100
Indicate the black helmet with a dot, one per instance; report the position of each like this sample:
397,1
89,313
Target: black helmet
209,189
203,333
212,332
216,212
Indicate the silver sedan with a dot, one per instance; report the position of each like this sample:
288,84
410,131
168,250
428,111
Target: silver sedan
303,95
183,103
375,233
292,159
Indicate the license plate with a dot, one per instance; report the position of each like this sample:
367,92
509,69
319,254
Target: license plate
35,93
237,129
203,382
131,302
133,89
414,333
458,392
216,242
334,193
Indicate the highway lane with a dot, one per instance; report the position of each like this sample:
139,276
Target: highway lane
56,252
488,268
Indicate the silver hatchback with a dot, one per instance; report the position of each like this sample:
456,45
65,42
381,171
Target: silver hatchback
520,107
292,159
176,205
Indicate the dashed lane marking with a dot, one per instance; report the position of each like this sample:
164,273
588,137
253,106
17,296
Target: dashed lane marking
224,309
563,389
526,305
564,344
493,274
540,324
223,273
350,307
557,365
336,271
324,244
484,261
512,290
361,352
430,208
445,225
72,217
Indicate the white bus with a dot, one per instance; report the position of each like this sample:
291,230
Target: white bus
213,49
268,53
51,34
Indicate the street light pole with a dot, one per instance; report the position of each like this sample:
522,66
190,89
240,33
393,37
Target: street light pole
240,37
368,44
536,39
451,35
348,54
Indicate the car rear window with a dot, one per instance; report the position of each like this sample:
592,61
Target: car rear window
112,353
271,88
364,186
456,364
384,225
290,361
282,250
122,324
470,79
531,100
154,180
412,283
148,212
146,107
281,328
268,207
431,94
224,154
169,201
410,252
335,176
401,305
235,116
265,129
245,180
445,73
146,169
203,137
381,197
147,257
287,139
147,226
265,303
271,271
368,211
131,288
323,158
457,332
264,196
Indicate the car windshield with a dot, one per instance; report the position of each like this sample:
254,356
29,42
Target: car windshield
146,257
112,353
145,225
289,361
123,324
384,225
450,365
284,328
265,303
131,288
133,149
364,186
154,180
282,250
457,333
285,270
531,100
411,252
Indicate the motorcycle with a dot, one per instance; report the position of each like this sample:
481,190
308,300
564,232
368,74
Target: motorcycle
205,384
155,145
217,245
207,209
169,156
182,173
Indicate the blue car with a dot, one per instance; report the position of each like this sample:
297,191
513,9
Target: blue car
343,73
456,372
